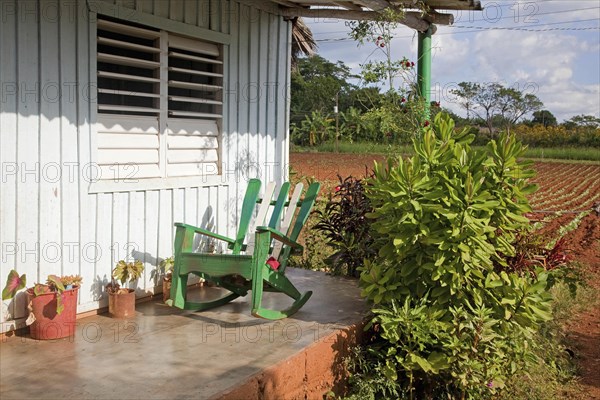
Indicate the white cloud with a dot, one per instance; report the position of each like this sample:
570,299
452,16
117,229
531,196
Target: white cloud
561,66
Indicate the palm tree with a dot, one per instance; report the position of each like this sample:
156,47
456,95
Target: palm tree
303,41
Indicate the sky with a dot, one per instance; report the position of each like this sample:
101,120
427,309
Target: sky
545,48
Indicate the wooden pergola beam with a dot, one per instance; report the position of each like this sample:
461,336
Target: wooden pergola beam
285,3
376,5
412,19
348,5
474,5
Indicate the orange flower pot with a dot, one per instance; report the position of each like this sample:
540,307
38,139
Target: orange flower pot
48,324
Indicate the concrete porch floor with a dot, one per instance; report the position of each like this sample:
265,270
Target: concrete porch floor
167,353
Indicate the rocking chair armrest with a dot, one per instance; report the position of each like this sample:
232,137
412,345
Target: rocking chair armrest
275,234
206,232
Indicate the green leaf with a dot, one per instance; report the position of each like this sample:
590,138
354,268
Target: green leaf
423,363
59,303
545,315
438,361
14,283
56,282
390,372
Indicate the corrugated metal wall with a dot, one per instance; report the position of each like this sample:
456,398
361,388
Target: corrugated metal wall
50,222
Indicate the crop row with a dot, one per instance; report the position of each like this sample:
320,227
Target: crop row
569,199
556,184
558,174
571,226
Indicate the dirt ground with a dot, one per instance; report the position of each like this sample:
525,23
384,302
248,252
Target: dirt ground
564,188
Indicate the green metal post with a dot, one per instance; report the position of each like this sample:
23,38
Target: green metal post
424,68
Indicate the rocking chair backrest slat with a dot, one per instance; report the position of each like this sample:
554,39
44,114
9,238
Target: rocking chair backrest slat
279,205
287,219
265,204
246,215
305,208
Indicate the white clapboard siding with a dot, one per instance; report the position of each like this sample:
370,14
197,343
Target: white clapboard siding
93,227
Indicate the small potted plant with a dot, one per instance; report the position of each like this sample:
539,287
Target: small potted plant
166,266
121,301
52,305
166,272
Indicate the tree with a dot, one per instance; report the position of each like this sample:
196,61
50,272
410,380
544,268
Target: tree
543,117
315,83
380,32
513,105
585,121
466,94
485,103
492,102
303,41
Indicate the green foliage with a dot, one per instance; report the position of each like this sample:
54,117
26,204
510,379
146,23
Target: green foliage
352,125
543,117
314,129
316,251
444,220
550,375
553,375
444,214
538,135
577,154
167,265
345,228
127,271
314,86
392,123
70,281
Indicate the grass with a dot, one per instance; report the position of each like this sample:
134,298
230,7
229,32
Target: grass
539,153
564,153
355,148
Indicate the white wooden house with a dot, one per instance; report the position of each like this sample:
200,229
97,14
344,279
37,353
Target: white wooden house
120,117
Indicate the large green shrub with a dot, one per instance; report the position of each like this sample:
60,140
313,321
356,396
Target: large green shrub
450,320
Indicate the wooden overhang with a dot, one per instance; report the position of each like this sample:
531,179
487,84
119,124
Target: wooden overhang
418,14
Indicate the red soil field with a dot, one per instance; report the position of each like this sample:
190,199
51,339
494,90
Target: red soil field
565,190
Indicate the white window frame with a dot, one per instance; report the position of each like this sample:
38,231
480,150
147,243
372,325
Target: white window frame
170,27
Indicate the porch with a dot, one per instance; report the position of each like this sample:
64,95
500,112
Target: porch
222,353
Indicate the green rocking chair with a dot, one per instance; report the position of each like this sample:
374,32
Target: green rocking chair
258,265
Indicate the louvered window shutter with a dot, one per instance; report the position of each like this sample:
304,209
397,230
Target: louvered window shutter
195,104
130,80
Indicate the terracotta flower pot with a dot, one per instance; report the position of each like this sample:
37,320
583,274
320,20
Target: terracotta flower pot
166,287
122,303
48,324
